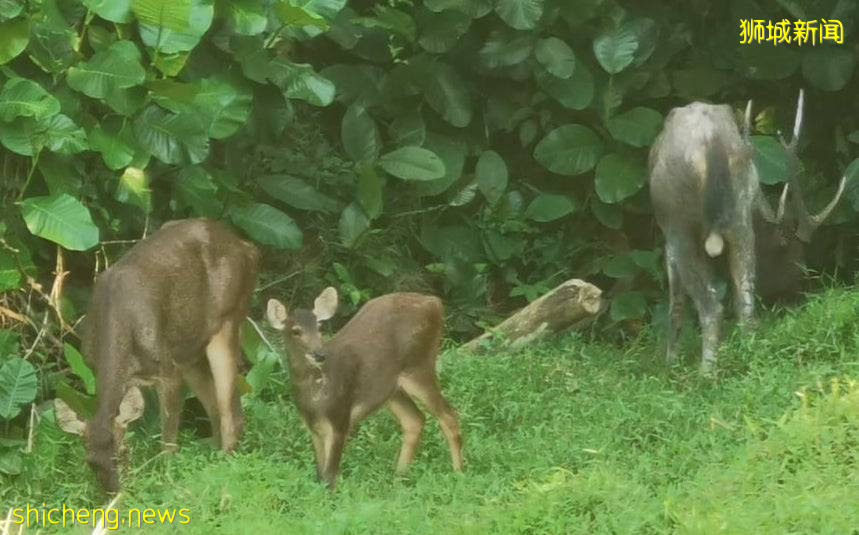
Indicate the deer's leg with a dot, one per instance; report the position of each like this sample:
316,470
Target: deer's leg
741,260
412,422
223,355
319,429
423,386
101,435
696,274
170,401
676,305
319,453
333,443
199,378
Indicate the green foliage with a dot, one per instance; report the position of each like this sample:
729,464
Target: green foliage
79,367
61,219
481,150
17,386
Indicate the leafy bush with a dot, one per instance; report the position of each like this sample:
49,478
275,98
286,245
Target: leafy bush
482,149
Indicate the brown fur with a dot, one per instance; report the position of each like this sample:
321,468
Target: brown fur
385,354
170,309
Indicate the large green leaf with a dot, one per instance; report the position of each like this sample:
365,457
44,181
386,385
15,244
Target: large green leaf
615,48
79,367
491,174
548,207
353,224
452,153
14,36
61,219
767,62
10,275
23,136
619,176
10,342
172,138
127,102
63,136
292,15
308,13
569,150
576,92
628,306
647,34
413,163
118,67
637,127
173,25
828,68
9,9
610,215
133,189
196,189
505,48
356,84
17,386
556,56
268,225
393,21
52,48
409,129
520,14
359,134
698,82
21,97
369,191
448,95
770,159
473,8
115,142
302,82
112,10
245,17
297,193
440,32
27,136
223,106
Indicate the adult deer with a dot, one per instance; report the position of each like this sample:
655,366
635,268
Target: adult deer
385,354
707,200
170,309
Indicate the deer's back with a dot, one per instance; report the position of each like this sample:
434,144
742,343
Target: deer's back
173,290
679,156
393,331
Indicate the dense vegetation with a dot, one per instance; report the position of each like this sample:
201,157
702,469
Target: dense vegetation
484,150
572,437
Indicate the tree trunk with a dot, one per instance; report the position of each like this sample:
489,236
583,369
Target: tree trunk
570,305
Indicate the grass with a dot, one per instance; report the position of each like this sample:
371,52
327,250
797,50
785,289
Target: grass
566,437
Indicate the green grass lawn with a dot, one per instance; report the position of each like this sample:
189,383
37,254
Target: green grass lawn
567,437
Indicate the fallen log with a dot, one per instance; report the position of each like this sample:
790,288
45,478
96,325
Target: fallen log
570,305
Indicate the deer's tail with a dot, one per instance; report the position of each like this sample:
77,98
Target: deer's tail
719,198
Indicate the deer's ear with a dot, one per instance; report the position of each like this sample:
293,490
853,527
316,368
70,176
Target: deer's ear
275,313
325,305
67,419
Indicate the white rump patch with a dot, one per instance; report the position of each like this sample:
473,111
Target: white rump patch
714,244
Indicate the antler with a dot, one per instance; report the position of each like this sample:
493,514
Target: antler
807,223
763,205
747,124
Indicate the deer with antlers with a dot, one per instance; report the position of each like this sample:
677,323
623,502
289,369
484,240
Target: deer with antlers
707,199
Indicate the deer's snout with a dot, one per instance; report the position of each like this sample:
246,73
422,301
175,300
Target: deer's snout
319,355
